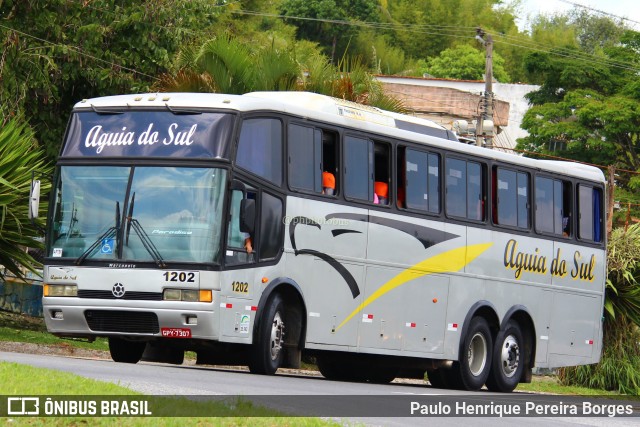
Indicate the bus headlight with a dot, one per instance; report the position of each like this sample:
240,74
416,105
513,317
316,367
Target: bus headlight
189,295
60,290
171,294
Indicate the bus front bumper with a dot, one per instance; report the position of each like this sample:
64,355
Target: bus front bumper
80,317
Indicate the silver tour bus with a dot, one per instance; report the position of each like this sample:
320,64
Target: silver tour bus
254,229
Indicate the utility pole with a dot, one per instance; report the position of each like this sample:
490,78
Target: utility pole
486,112
611,185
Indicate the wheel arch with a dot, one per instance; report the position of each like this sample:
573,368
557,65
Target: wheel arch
483,309
295,309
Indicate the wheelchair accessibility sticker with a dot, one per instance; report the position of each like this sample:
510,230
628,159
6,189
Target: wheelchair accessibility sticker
107,246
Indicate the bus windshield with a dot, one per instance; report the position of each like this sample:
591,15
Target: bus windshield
165,214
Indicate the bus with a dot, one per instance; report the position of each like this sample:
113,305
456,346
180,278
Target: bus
260,228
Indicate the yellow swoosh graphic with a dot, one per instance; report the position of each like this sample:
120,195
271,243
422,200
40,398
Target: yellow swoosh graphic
450,261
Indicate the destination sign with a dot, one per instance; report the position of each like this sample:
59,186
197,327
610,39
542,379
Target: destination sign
148,134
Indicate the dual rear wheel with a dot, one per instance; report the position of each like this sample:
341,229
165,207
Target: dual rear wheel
497,364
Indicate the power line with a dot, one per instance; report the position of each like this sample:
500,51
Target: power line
599,11
457,32
79,51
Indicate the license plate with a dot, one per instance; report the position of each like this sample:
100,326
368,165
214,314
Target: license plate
176,332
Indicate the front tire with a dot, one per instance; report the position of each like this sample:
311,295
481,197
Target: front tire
267,353
124,351
508,360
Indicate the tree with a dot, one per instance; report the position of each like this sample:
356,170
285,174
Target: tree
19,159
589,111
226,65
57,52
319,12
466,63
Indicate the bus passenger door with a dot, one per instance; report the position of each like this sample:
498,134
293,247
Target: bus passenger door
254,243
238,280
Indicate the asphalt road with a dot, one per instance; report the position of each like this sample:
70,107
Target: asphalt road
293,393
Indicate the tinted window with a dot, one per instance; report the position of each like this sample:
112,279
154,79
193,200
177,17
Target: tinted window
523,200
305,145
422,181
553,206
544,205
358,164
465,189
507,197
456,187
475,205
512,190
589,213
260,148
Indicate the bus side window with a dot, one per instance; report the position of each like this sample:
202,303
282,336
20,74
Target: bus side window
510,198
382,166
401,178
312,160
330,166
422,174
260,148
553,206
305,158
589,213
358,165
237,248
465,189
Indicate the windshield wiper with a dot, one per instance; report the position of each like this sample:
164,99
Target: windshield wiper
110,233
142,234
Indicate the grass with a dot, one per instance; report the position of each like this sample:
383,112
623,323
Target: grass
22,380
27,329
549,384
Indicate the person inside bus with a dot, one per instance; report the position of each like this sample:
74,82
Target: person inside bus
248,243
328,183
381,193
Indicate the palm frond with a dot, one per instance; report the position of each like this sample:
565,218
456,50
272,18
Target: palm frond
20,158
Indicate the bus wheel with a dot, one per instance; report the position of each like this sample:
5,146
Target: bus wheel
437,378
475,363
381,374
507,365
337,370
124,351
268,348
331,369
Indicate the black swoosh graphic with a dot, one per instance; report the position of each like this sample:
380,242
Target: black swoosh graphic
426,236
346,275
343,231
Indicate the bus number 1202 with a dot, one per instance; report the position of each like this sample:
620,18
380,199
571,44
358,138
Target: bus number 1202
179,276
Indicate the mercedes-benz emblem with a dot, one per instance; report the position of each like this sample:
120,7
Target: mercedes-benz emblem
118,290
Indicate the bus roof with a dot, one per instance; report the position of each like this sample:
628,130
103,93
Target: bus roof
339,112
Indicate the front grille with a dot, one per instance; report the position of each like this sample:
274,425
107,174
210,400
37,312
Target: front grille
122,321
129,295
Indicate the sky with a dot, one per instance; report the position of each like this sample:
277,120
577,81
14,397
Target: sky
629,9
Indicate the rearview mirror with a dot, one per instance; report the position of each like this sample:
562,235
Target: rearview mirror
34,199
248,216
